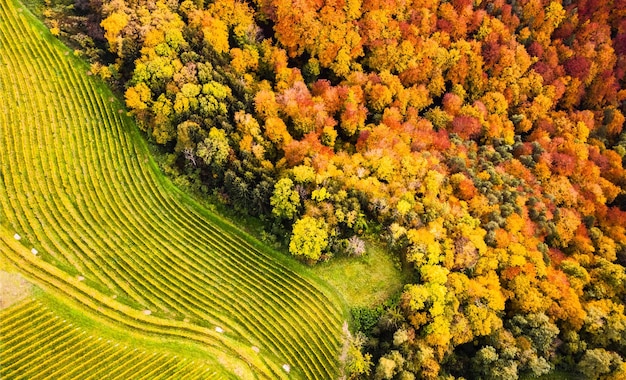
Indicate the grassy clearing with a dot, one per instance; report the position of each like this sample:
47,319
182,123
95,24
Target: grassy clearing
365,281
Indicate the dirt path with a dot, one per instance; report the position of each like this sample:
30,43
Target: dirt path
13,288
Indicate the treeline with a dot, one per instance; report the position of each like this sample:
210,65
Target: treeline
483,140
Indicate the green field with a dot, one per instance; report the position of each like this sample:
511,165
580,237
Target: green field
365,281
104,234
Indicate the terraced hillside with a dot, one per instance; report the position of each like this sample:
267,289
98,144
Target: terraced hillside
86,216
65,351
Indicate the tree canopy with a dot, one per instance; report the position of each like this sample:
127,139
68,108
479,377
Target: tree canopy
483,140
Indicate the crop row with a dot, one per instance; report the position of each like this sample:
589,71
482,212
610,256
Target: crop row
76,292
63,351
101,210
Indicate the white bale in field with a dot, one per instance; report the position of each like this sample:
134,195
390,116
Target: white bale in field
219,329
17,237
255,349
34,251
287,367
147,312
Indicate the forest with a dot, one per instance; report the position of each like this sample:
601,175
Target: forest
481,141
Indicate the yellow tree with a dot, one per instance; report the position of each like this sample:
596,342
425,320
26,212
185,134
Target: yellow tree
309,238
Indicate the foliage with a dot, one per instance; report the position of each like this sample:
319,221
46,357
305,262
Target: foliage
102,230
364,319
356,363
598,363
285,200
485,139
309,239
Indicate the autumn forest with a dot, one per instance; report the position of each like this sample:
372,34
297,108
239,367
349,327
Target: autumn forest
482,142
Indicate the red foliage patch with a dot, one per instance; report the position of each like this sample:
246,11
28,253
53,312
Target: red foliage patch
545,70
556,256
524,149
616,216
563,164
361,142
577,67
619,44
467,127
444,25
598,158
491,52
510,273
564,31
459,5
466,190
442,140
452,103
535,49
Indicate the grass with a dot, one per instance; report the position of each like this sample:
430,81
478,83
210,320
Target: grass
116,238
63,337
93,324
366,281
146,332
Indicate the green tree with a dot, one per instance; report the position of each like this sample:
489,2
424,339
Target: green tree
538,328
187,99
488,364
212,99
598,362
386,369
214,149
285,200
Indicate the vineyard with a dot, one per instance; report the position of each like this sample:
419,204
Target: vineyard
65,352
86,216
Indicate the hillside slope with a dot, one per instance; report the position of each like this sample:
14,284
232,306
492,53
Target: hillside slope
79,189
